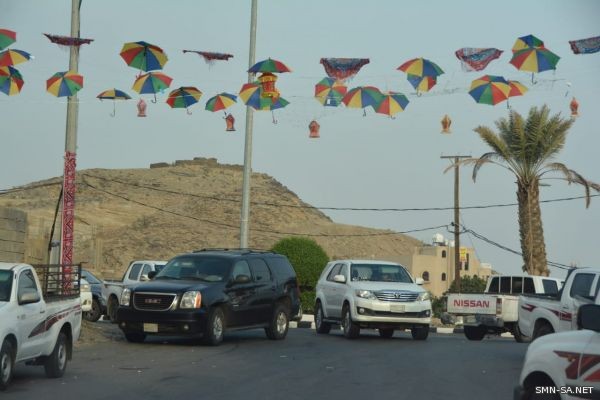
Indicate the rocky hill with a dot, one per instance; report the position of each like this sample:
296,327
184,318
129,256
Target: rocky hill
156,213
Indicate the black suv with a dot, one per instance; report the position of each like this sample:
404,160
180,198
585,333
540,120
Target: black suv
210,291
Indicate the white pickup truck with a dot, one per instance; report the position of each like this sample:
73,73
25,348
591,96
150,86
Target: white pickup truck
539,316
37,326
496,310
137,272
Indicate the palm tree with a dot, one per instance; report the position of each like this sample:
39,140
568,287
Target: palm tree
527,148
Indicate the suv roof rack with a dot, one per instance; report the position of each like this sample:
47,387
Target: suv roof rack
242,250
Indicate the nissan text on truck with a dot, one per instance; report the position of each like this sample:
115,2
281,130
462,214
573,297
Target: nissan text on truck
40,317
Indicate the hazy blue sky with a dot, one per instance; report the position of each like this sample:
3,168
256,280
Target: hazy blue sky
370,161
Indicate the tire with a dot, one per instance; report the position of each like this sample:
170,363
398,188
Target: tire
475,332
95,313
386,333
420,332
215,327
111,309
279,325
350,329
7,363
56,363
542,330
519,337
320,325
135,337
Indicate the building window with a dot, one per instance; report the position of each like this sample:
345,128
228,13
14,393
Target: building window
443,276
467,263
425,276
443,253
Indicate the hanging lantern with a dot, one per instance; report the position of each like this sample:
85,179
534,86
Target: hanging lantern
229,120
267,81
141,106
446,122
314,129
574,105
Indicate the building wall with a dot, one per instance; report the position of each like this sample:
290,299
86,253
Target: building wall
13,230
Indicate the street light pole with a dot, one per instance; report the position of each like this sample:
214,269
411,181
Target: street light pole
244,227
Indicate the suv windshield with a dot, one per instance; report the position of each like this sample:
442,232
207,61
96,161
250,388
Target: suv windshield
207,269
5,285
379,273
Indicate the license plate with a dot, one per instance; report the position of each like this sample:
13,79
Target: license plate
399,308
152,328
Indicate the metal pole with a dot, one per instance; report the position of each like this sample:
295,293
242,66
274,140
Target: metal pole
68,210
244,227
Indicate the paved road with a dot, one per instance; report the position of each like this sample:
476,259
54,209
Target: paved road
248,366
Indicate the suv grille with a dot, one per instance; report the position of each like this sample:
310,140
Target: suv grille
153,301
401,296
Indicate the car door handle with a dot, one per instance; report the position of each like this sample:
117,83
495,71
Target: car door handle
42,311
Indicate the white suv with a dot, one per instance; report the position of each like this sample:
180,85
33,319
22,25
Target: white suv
374,295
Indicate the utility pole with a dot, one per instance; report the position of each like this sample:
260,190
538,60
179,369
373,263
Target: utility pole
244,226
456,158
68,204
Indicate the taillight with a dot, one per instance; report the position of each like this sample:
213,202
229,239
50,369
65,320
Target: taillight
498,306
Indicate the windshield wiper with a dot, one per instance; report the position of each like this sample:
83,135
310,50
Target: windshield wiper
167,277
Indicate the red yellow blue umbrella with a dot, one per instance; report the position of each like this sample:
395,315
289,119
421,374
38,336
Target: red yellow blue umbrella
220,102
362,97
421,67
534,60
13,57
113,94
64,84
422,83
527,42
7,37
330,92
184,97
143,56
516,89
152,82
269,65
489,89
11,80
391,104
250,93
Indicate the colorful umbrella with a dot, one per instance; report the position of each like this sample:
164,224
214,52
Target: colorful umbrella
152,82
269,65
489,89
534,60
516,89
392,104
330,92
421,83
184,97
270,104
11,80
362,96
13,57
143,56
250,93
527,42
421,67
113,94
64,84
7,38
220,102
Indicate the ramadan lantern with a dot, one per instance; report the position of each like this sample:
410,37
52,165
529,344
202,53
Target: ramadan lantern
229,120
141,106
314,129
446,122
267,81
574,105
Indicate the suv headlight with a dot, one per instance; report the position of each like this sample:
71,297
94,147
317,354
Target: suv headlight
125,297
191,299
366,294
85,287
424,296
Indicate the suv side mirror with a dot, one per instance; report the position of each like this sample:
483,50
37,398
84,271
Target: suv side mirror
28,296
419,281
339,279
588,317
241,279
151,275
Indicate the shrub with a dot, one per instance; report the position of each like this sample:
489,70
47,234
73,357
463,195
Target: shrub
469,284
307,298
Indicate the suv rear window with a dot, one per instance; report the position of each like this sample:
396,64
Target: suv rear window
280,267
6,278
550,286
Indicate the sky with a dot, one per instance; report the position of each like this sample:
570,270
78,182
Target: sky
360,161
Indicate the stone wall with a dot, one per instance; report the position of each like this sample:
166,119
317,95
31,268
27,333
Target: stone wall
13,231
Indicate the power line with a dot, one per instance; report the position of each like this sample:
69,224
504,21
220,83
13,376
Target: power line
389,233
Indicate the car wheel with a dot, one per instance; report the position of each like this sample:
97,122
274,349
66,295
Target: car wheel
56,363
7,361
420,332
320,325
350,329
542,330
519,337
279,325
95,313
113,304
215,327
386,333
475,332
135,337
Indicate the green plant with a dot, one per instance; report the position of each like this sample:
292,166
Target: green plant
469,284
438,305
307,258
307,298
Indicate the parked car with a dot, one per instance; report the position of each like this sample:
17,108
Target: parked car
137,272
539,316
85,293
39,323
496,310
564,365
98,300
209,292
371,294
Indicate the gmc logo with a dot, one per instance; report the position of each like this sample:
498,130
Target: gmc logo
471,303
152,301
